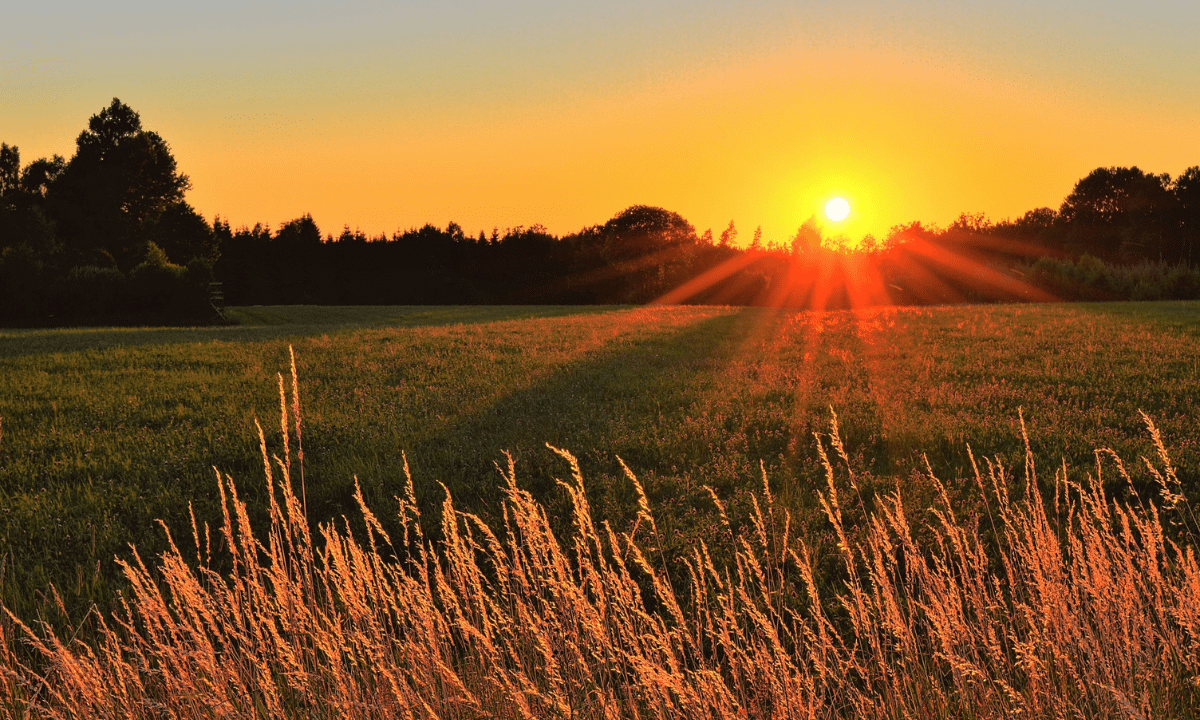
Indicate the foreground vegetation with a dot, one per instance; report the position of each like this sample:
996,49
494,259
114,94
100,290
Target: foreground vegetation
1079,607
105,431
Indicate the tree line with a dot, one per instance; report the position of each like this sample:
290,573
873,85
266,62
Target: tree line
107,237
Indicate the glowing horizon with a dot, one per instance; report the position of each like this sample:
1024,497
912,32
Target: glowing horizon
385,119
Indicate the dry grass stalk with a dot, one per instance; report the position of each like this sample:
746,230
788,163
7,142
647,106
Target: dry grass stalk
1093,615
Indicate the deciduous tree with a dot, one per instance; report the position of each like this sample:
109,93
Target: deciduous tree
1120,212
120,178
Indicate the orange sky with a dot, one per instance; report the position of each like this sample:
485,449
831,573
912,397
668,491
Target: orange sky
564,113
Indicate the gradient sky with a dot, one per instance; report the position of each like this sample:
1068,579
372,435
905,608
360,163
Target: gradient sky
387,115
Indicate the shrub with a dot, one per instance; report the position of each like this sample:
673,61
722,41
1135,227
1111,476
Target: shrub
163,291
23,295
90,293
1090,278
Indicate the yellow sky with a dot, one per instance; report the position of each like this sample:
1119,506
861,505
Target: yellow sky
762,125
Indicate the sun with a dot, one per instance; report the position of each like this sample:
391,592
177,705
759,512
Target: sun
837,209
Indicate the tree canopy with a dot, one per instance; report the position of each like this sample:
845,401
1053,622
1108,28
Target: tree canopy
120,182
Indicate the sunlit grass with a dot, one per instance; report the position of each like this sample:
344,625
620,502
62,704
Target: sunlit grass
106,430
1078,605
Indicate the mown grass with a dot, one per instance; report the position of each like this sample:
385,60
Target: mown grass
105,431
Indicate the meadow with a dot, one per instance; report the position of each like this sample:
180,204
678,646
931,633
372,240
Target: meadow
104,431
1083,606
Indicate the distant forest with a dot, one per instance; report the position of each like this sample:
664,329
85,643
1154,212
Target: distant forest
107,237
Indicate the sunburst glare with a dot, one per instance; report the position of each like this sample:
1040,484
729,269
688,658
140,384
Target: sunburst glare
837,209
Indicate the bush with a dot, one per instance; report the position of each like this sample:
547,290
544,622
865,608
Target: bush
162,291
23,293
88,293
1090,278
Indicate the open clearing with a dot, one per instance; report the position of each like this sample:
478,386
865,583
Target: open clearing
105,430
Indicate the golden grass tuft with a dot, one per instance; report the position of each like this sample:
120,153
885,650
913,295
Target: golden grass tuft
1088,610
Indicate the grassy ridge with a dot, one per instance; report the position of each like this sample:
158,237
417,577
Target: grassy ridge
106,430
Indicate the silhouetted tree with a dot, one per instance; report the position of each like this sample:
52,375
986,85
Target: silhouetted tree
40,174
246,264
10,170
23,219
182,233
1120,213
648,250
808,237
729,235
973,223
300,235
1187,192
28,247
120,178
1040,220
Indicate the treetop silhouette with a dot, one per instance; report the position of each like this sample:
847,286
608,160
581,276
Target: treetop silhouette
107,236
120,179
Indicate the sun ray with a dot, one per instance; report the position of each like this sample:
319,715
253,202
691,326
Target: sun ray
976,274
708,279
599,276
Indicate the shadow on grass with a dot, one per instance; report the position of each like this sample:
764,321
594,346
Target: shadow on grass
624,399
261,323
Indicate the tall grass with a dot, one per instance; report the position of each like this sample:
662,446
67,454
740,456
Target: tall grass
107,430
1073,605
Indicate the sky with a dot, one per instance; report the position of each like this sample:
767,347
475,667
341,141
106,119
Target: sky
382,116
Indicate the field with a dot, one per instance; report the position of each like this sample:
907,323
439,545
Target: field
105,431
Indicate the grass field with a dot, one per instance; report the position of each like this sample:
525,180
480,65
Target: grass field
106,430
